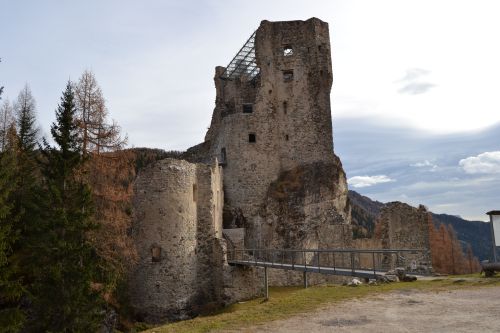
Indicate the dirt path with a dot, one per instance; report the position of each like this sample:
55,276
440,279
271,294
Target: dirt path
472,310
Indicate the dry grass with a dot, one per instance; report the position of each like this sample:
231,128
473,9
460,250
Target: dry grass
288,301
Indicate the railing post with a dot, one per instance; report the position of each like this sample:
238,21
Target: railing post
352,263
373,262
293,259
319,269
305,279
305,261
266,284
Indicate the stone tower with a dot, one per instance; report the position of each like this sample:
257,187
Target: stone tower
266,166
272,131
177,228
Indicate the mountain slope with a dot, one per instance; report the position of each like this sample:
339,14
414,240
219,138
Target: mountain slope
476,233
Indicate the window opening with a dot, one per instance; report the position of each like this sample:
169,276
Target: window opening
285,107
252,138
247,108
288,76
155,253
223,155
287,51
286,137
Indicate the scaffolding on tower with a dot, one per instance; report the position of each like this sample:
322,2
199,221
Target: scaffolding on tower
243,64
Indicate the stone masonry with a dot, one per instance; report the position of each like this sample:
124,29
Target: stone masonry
401,226
178,213
273,134
266,167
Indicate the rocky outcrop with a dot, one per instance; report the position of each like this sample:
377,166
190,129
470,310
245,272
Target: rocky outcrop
306,208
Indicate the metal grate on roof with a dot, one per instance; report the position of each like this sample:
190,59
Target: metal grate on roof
244,62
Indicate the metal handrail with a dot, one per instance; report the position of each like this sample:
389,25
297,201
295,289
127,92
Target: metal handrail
310,260
338,250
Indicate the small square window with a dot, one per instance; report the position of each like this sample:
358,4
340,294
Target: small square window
288,76
287,51
252,138
155,253
247,108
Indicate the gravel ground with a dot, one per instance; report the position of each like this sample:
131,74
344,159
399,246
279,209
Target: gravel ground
470,310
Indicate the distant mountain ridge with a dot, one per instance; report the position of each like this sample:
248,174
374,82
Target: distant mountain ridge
365,212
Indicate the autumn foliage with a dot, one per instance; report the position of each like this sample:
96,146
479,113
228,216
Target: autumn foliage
111,176
448,256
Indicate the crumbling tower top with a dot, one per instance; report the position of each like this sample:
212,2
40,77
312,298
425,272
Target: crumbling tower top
244,62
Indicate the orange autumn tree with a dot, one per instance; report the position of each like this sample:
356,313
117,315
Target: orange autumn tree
109,170
447,254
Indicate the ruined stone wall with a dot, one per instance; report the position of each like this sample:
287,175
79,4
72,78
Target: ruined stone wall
182,268
401,226
287,188
366,260
177,220
291,122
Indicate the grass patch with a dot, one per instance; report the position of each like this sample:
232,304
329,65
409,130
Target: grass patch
288,301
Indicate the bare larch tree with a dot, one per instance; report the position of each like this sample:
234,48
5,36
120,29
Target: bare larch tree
97,135
6,122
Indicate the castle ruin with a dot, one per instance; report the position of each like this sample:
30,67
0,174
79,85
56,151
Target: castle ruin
266,171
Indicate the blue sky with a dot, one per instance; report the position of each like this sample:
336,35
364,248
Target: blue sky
416,79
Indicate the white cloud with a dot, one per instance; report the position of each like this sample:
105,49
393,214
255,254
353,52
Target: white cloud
412,82
424,164
365,181
414,74
488,162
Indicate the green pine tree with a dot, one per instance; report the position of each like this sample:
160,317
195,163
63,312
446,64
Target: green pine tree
11,288
65,297
28,190
26,120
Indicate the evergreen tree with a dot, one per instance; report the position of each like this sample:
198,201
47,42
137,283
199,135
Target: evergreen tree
65,298
11,289
28,174
26,120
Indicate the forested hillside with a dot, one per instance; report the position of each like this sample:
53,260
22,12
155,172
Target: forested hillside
476,233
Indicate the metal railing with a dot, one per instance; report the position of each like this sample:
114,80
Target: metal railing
352,262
